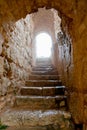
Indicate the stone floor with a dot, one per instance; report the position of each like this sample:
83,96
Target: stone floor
35,118
55,121
49,127
27,128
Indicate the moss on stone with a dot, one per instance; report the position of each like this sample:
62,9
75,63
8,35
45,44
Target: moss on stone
3,127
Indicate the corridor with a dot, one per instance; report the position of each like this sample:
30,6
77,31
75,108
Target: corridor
43,83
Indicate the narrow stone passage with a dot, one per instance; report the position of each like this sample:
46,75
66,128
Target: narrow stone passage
41,104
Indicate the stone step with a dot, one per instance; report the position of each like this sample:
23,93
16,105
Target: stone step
40,102
41,83
43,66
46,127
43,91
54,72
44,62
45,77
28,118
42,69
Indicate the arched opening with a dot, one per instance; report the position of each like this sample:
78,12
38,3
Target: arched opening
43,45
16,57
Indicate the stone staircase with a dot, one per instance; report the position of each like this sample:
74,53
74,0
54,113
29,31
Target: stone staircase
41,104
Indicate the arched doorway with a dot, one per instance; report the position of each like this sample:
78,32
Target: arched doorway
43,45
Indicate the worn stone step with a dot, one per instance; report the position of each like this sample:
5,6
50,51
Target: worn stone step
45,72
42,69
46,127
22,118
43,66
44,62
43,91
39,102
68,126
41,83
45,77
29,128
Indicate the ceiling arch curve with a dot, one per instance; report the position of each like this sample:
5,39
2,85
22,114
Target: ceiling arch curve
14,10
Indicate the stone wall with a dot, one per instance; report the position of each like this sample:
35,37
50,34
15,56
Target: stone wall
15,55
63,49
80,63
77,11
64,59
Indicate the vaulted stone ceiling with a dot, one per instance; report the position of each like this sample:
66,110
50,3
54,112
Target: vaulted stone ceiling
14,10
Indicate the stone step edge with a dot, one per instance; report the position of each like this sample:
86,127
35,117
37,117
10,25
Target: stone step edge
46,67
42,97
44,70
44,87
43,67
52,77
66,114
31,80
62,112
44,75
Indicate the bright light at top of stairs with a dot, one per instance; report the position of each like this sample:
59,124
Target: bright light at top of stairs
43,45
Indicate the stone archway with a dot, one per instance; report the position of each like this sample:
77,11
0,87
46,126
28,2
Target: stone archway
43,40
27,7
76,12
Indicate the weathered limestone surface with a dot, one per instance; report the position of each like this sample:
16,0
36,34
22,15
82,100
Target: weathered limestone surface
39,110
15,55
12,10
38,118
20,48
48,127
